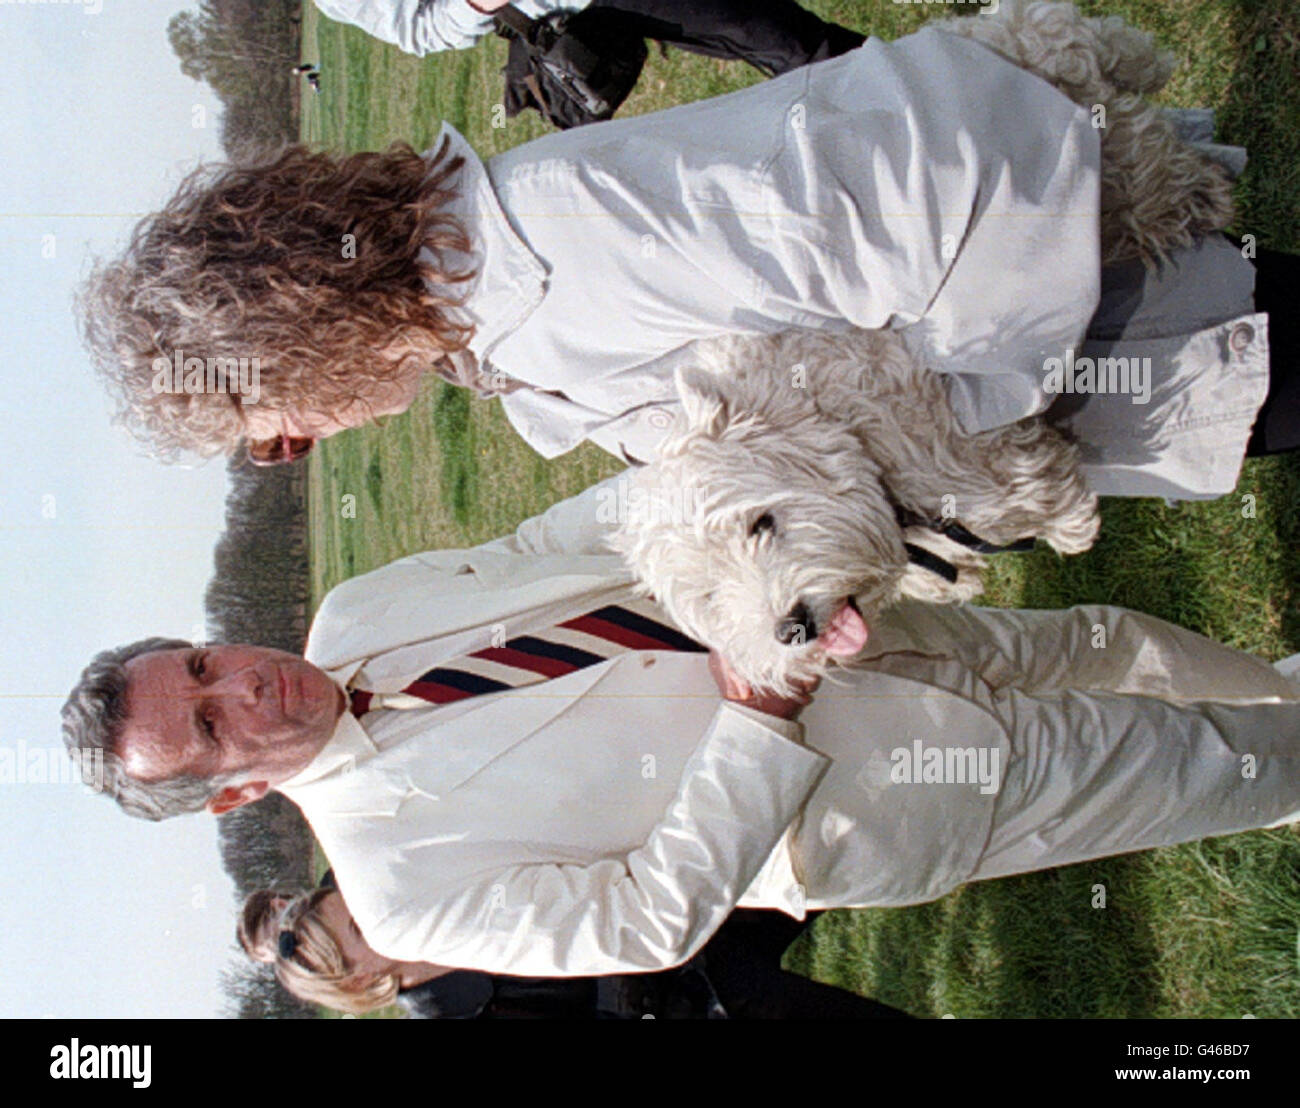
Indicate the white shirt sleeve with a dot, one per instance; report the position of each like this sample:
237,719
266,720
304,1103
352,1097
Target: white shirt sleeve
579,525
649,909
427,26
881,188
416,26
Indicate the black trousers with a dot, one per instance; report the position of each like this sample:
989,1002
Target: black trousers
1277,427
774,36
743,964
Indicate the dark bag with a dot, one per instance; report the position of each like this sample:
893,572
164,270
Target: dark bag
573,67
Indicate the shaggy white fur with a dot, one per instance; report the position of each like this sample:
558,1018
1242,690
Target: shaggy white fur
767,526
1157,192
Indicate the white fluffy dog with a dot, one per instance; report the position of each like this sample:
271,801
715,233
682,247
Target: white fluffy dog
1157,192
779,513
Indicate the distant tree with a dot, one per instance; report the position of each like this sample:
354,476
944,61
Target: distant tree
259,594
185,34
253,993
244,50
260,587
266,845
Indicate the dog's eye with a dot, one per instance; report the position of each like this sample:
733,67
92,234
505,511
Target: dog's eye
765,522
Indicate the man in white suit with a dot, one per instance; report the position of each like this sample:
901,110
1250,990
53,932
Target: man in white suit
609,818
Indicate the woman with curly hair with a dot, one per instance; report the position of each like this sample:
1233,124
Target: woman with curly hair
326,270
924,184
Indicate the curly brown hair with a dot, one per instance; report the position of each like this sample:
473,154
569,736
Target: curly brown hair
250,260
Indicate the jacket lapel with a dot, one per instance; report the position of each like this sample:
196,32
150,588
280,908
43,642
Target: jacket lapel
387,631
462,744
383,640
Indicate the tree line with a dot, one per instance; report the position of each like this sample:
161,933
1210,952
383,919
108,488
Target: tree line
260,593
260,588
245,51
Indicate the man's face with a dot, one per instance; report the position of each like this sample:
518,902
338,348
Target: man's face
253,712
382,399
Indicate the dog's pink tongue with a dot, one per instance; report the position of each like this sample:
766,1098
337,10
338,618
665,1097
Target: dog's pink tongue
846,633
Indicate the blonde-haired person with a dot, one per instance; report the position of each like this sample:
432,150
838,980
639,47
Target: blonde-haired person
320,957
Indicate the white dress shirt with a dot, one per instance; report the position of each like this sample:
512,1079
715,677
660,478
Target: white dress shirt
881,188
426,26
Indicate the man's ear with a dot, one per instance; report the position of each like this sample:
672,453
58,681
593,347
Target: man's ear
704,399
232,796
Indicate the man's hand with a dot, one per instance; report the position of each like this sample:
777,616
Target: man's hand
736,689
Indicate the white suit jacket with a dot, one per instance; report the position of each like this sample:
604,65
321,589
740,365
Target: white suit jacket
610,820
887,187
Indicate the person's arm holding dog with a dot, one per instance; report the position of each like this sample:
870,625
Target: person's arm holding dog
650,908
424,26
579,525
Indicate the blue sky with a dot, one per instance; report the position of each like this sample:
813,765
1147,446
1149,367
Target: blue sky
101,915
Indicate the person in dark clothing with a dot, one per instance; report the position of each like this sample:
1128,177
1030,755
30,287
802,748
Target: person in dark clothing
774,36
320,957
738,975
1277,426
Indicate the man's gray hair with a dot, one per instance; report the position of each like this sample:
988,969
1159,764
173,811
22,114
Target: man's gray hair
92,721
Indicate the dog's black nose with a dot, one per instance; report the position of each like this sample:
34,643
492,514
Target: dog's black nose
797,628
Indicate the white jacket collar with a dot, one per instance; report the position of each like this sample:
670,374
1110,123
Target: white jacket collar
510,280
348,746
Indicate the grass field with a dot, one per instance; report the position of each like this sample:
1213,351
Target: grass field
1204,930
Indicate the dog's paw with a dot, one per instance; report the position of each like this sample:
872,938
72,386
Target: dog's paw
1129,57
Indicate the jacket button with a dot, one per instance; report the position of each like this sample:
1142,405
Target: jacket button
1242,336
648,661
659,419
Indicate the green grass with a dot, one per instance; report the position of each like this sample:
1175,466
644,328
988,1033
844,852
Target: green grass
1208,929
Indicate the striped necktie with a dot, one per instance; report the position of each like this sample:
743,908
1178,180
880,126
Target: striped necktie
531,659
